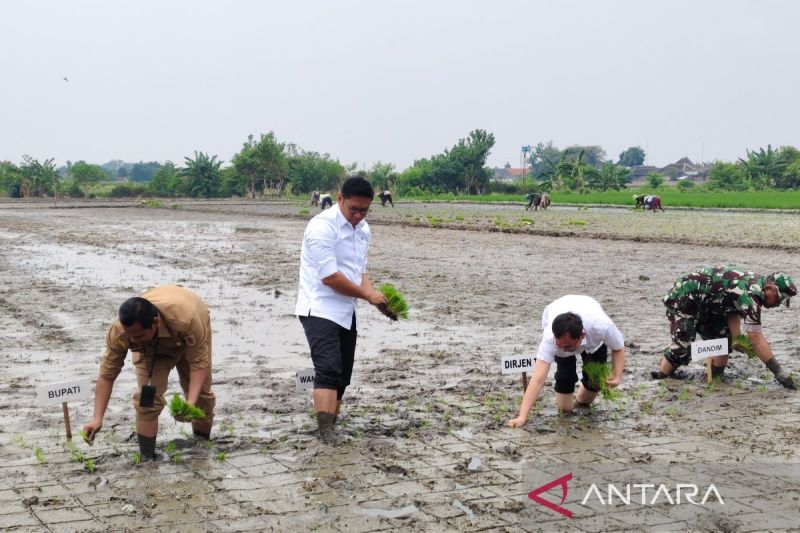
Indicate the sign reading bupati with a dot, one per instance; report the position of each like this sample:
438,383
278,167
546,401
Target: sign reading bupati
67,391
709,348
514,364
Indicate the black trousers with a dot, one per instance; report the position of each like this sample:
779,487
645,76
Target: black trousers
567,374
333,351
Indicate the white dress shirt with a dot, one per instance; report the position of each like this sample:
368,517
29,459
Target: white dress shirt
597,326
331,244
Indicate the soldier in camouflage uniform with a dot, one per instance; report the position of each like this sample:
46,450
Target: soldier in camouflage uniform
711,302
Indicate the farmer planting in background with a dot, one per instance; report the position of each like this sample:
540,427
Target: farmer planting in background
386,196
333,264
573,325
164,328
325,200
711,302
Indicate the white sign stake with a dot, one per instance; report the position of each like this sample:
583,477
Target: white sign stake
67,391
710,348
304,379
515,364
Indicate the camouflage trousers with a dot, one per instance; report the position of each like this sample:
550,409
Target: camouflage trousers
684,329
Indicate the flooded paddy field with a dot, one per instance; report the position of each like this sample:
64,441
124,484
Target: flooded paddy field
423,440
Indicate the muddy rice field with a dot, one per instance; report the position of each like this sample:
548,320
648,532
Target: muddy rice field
423,438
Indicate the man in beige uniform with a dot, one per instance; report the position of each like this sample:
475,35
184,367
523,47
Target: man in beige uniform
165,327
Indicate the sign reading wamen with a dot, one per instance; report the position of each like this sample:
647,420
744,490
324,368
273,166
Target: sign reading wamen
67,391
514,364
304,379
710,348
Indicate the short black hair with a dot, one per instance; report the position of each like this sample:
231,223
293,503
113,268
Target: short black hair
568,323
357,186
139,310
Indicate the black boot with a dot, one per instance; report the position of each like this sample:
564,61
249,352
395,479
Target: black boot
717,371
201,434
781,376
147,446
325,423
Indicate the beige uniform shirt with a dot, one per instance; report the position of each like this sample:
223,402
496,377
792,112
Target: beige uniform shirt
184,332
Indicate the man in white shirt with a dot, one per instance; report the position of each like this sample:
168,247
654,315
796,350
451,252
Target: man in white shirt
573,325
333,264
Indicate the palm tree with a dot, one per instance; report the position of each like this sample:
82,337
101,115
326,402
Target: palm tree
203,173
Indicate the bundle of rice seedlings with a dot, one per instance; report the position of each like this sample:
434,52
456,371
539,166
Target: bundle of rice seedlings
598,373
179,407
744,342
396,303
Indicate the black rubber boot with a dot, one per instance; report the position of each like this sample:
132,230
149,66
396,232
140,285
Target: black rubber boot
325,423
201,434
658,374
147,446
781,376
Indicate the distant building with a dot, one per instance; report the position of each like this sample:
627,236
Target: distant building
509,174
680,170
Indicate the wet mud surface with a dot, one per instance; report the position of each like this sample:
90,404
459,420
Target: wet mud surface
423,442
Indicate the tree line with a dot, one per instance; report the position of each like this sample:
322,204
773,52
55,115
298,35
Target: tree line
267,166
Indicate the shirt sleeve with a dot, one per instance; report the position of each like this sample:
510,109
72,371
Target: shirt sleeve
113,358
321,245
547,349
198,344
614,339
752,317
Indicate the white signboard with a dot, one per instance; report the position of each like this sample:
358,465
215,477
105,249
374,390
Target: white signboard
68,391
514,364
709,348
305,379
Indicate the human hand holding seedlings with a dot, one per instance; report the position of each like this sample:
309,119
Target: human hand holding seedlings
90,430
395,306
183,411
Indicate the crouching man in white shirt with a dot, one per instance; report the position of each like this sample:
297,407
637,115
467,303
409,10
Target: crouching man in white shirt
573,325
333,277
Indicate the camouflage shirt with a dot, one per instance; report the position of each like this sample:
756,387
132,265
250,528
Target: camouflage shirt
719,291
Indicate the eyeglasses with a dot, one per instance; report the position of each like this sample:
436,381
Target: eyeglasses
355,210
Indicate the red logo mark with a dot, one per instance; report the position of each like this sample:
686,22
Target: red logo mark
562,481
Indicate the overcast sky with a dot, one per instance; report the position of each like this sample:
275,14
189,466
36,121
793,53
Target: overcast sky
395,81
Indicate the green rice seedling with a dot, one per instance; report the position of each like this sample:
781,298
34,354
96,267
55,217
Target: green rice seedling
171,447
176,206
221,457
395,301
459,217
177,458
39,456
303,212
684,395
136,458
179,407
597,374
77,455
575,222
743,341
20,441
89,466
